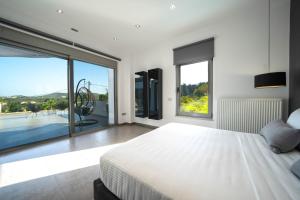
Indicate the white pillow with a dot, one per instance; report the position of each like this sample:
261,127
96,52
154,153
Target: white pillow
294,119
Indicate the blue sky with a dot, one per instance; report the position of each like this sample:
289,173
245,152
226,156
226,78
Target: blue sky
98,76
39,76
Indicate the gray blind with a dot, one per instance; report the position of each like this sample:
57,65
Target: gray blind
43,45
196,52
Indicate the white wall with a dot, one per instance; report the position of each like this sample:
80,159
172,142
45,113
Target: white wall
124,90
240,53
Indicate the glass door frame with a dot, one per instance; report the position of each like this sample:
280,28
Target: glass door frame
70,79
17,45
72,131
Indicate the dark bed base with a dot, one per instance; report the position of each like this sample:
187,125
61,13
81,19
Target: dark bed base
101,192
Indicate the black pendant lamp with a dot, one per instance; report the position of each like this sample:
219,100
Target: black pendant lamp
271,79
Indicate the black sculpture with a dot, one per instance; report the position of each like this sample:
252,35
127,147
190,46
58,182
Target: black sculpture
84,104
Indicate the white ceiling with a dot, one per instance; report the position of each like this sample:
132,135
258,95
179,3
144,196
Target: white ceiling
98,21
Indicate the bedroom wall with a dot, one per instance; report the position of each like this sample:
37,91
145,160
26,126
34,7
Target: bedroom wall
240,53
124,89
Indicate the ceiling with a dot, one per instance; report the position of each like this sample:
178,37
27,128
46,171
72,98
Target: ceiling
99,21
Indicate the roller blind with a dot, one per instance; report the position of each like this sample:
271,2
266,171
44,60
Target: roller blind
196,52
11,36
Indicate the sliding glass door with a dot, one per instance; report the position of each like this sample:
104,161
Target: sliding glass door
36,91
33,97
93,96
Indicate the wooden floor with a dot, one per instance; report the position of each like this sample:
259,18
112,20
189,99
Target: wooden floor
62,169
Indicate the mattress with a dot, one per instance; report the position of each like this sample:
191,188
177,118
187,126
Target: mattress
179,161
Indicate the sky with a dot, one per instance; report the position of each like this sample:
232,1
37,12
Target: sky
98,76
39,76
194,73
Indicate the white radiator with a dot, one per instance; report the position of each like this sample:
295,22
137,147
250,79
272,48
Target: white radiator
247,114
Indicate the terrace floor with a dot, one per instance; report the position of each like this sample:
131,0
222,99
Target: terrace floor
25,128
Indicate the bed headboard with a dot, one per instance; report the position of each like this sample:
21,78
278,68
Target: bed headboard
247,114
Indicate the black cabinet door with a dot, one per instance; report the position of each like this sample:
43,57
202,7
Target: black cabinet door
141,94
155,93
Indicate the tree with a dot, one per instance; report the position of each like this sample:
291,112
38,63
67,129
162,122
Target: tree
103,97
185,99
49,104
62,105
5,108
201,90
45,106
52,103
184,90
14,106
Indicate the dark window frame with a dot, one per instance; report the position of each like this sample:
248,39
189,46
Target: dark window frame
210,92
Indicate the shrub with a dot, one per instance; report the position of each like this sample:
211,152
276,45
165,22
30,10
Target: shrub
195,105
62,105
14,106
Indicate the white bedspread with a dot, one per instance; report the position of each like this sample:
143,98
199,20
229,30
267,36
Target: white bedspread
179,161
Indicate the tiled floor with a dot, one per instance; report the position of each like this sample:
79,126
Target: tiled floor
62,169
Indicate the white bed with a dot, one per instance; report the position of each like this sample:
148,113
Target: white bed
179,161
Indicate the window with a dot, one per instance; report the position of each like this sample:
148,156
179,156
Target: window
94,96
35,96
194,78
194,89
49,90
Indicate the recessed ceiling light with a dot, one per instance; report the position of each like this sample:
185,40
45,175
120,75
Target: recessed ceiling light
60,11
74,29
115,38
137,26
172,7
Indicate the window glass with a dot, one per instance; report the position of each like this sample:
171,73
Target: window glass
33,97
194,98
94,96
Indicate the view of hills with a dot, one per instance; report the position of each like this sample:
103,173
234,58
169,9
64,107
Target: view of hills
54,95
52,101
21,103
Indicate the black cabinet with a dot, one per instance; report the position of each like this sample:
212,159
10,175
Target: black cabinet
141,94
155,93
